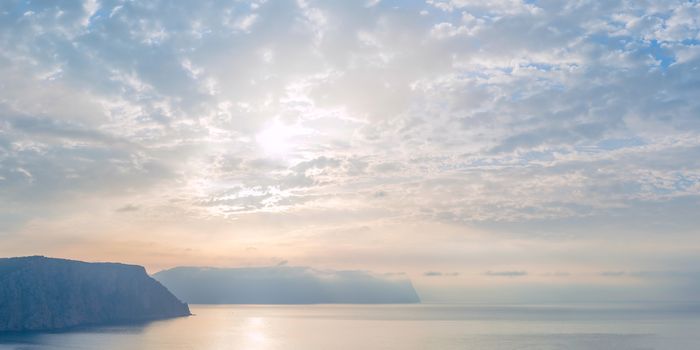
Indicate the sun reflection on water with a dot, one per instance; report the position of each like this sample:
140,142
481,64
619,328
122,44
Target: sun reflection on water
255,334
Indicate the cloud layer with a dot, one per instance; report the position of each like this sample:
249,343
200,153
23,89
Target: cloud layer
297,127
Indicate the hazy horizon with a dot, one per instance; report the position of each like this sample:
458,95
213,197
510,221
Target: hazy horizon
489,151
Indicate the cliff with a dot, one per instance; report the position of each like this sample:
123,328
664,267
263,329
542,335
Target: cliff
284,285
39,293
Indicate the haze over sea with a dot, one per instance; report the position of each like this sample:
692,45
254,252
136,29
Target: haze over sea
476,156
422,326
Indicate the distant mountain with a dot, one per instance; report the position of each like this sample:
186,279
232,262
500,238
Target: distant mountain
284,285
39,293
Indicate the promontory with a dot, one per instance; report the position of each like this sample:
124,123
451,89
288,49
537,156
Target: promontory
39,293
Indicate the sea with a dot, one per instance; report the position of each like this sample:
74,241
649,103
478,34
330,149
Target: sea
420,326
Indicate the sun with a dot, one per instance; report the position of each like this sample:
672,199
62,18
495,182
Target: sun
275,139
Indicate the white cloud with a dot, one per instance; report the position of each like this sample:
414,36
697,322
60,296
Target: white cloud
471,113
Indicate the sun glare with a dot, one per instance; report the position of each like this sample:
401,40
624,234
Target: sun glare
275,139
278,139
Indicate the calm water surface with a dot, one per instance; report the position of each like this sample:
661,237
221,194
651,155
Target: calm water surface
390,327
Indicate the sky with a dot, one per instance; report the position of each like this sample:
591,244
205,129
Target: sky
492,151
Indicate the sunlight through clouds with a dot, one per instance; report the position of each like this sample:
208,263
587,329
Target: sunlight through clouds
356,130
278,140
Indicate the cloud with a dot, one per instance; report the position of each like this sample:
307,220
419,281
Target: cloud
527,120
654,274
613,273
506,273
557,274
128,208
550,118
380,194
440,274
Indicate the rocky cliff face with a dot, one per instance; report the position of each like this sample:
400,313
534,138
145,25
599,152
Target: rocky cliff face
38,293
284,285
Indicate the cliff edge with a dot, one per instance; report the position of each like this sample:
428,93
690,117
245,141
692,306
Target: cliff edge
39,293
